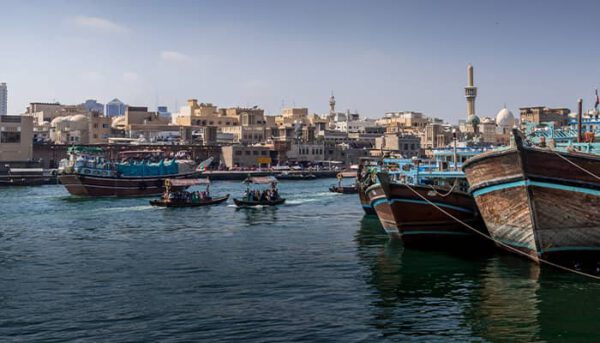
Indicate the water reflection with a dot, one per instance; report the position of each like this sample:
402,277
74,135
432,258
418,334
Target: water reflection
258,215
436,295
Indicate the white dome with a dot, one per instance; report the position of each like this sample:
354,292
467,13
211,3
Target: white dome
505,118
57,120
78,118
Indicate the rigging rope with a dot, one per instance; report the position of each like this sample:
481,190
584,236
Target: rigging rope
576,165
499,242
446,194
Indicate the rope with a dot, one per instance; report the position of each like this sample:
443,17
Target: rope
499,242
446,194
576,165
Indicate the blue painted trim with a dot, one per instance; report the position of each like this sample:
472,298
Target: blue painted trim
423,202
433,232
515,244
366,206
377,202
494,188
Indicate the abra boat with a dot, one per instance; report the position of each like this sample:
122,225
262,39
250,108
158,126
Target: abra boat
540,201
172,198
256,197
344,189
140,173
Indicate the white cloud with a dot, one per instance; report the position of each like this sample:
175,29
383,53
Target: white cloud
130,76
98,24
92,76
174,56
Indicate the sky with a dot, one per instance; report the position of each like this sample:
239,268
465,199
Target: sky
376,56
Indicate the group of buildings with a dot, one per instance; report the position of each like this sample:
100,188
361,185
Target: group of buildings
247,137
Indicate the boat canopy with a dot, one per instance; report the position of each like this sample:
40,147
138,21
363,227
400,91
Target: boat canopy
260,180
84,150
347,174
187,182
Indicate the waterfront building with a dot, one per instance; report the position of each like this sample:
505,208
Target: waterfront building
540,114
3,99
43,111
250,156
16,138
204,114
407,145
115,107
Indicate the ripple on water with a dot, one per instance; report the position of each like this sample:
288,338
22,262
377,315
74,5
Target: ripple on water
315,269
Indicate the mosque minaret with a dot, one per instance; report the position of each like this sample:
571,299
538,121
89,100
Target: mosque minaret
470,91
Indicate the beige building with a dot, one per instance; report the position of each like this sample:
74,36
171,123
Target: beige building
16,138
204,114
252,156
407,145
540,114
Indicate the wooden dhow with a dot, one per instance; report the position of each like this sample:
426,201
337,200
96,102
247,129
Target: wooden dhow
539,201
423,215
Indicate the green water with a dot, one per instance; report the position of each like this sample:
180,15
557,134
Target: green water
313,270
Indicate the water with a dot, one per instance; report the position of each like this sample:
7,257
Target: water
313,270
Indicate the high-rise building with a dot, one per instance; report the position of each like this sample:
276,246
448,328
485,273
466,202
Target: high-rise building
91,105
3,99
163,111
115,107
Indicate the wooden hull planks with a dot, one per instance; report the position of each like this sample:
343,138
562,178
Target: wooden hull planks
423,225
98,186
365,200
378,202
535,201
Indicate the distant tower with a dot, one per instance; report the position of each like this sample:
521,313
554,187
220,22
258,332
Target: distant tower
331,104
3,99
470,91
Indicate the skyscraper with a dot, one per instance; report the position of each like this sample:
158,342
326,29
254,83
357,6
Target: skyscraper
3,99
115,108
91,105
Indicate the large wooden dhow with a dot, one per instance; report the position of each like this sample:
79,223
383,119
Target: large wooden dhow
87,173
540,201
424,215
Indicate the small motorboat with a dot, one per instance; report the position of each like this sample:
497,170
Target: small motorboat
345,189
257,197
172,198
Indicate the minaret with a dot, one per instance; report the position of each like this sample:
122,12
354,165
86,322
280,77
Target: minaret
470,92
332,104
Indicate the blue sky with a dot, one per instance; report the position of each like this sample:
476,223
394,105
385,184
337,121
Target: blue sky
376,56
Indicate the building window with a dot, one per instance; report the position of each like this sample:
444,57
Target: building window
263,153
10,137
248,152
412,146
255,153
219,123
104,126
210,123
238,152
95,125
